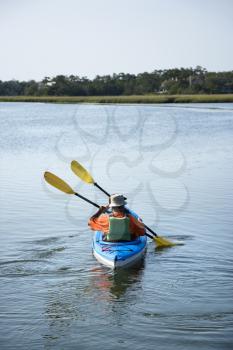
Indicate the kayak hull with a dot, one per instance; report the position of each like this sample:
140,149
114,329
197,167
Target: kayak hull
118,254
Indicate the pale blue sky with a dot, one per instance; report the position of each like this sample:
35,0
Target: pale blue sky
89,37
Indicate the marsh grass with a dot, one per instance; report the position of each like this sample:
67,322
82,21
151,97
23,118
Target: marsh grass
122,99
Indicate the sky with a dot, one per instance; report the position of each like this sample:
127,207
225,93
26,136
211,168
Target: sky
96,37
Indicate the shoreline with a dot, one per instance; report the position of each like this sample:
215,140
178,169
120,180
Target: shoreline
214,98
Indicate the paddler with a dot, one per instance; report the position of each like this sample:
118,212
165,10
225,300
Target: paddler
119,224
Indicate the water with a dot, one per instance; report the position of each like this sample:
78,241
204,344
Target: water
174,163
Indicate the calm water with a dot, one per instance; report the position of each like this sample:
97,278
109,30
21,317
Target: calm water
174,163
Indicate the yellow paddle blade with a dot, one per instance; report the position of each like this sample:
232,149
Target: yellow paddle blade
55,181
163,242
81,172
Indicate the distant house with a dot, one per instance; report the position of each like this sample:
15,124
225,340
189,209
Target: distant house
163,89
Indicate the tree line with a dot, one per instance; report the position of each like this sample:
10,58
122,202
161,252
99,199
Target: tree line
170,81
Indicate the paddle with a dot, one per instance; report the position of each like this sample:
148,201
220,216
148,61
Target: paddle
61,185
81,172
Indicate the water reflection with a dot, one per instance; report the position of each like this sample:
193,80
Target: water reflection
116,283
100,295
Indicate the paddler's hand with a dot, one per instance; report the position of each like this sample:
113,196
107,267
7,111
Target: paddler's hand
103,208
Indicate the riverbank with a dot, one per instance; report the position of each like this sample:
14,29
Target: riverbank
123,99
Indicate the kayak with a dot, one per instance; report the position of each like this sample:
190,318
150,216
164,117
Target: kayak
118,254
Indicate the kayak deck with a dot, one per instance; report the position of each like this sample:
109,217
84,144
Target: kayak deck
118,254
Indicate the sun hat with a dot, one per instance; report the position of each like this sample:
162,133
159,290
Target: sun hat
117,200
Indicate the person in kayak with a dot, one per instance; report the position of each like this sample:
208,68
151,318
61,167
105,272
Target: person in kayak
120,224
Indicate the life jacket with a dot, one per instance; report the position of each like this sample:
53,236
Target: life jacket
119,229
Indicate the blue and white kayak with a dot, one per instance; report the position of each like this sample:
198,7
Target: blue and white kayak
118,254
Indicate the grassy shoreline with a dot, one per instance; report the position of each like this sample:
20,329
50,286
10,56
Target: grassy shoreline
123,99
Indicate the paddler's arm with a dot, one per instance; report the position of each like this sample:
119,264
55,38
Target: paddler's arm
137,228
100,211
98,221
